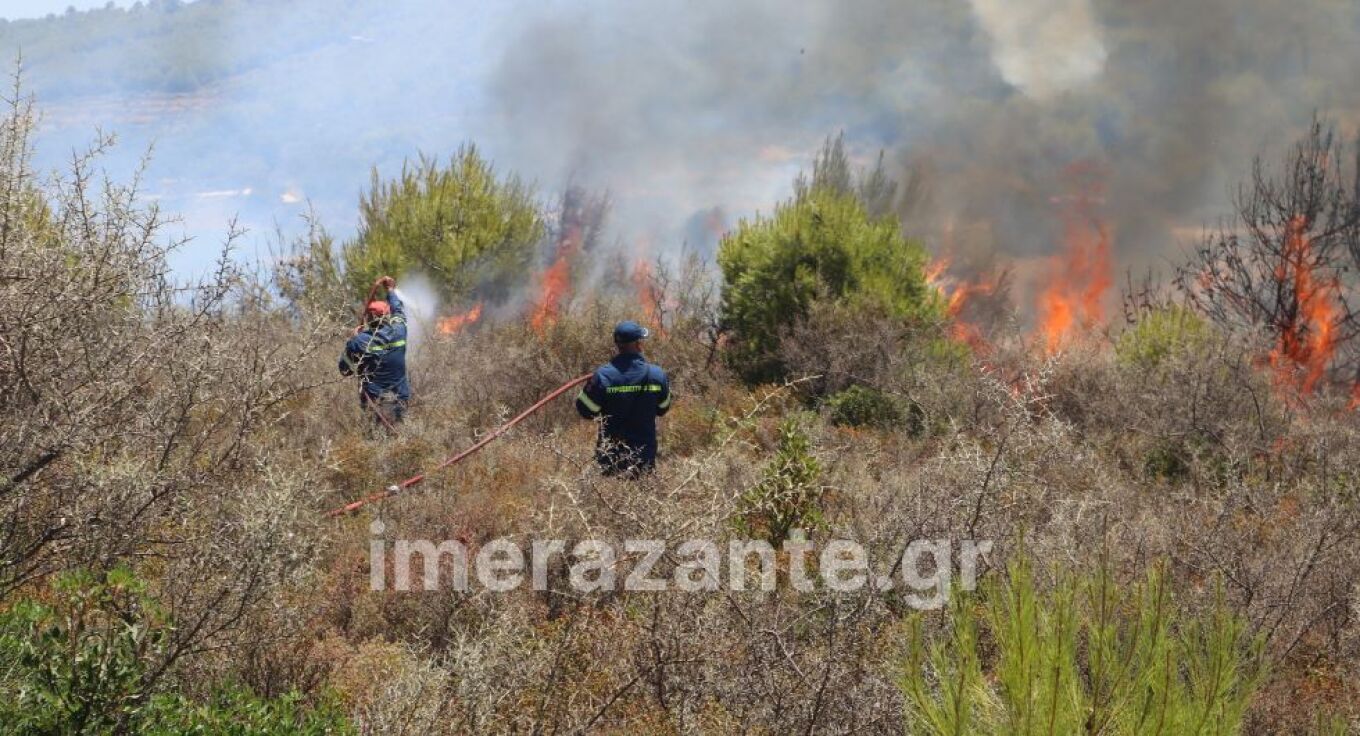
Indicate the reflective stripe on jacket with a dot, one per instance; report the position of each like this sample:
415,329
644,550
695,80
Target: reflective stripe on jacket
629,393
378,354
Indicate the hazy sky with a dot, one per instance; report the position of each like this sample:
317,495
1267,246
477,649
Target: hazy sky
12,9
693,114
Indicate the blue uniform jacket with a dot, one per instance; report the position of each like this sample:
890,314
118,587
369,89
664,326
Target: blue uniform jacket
630,394
378,354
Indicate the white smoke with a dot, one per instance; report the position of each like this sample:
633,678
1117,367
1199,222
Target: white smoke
1043,47
422,309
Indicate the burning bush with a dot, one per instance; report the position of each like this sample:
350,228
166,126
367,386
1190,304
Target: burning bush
1287,264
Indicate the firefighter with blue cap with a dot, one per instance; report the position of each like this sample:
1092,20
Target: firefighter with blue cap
377,354
626,394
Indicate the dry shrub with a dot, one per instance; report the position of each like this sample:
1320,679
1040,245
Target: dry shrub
143,418
389,689
201,440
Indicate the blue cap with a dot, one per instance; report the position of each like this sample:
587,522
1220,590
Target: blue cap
630,331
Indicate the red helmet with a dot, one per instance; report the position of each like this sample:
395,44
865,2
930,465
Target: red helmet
377,309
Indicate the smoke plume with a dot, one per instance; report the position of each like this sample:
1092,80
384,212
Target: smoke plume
693,114
990,106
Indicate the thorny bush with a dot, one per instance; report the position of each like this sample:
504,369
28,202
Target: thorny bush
195,434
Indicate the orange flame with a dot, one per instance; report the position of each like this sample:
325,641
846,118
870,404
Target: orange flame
554,284
960,329
957,299
1308,336
647,293
1075,294
935,271
454,323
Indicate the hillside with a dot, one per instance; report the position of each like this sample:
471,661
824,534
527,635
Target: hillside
934,452
170,47
170,464
294,102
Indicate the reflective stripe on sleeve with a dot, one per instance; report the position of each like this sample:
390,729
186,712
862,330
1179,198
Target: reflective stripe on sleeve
585,399
374,347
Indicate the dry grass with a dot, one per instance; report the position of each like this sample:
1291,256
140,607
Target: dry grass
1082,458
205,458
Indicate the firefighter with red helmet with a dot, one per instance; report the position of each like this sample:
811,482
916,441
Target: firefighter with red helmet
377,354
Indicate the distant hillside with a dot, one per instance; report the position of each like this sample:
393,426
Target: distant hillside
171,46
256,107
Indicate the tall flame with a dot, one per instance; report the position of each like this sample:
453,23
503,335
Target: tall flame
960,329
456,322
1307,335
554,283
1074,297
646,293
957,297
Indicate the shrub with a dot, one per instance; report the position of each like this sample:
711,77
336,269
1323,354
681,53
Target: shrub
861,406
788,495
90,659
1088,656
1168,460
1160,333
460,224
76,664
308,273
822,245
237,712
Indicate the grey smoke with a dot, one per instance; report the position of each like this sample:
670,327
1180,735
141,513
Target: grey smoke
991,102
691,113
